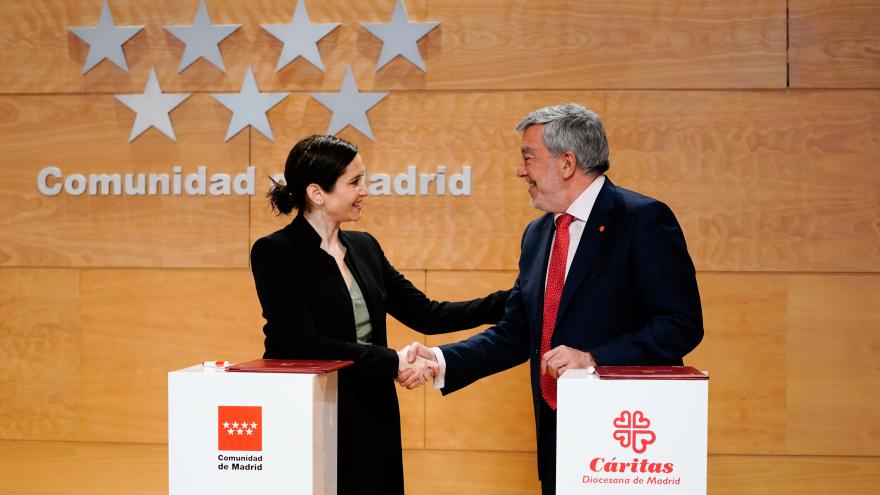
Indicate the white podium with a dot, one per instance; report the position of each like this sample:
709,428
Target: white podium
251,432
630,436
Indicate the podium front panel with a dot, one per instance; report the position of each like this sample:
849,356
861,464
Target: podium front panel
631,436
235,433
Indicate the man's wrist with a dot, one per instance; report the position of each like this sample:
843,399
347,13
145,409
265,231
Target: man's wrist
440,379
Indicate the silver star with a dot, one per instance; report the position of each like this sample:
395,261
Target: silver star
202,38
105,40
152,107
399,37
249,107
300,38
349,106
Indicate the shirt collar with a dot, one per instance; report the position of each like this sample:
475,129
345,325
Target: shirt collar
581,207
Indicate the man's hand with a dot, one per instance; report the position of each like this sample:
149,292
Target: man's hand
561,358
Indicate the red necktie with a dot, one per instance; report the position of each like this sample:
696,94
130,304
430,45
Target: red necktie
552,294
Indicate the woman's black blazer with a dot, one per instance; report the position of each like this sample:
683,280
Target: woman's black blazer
309,315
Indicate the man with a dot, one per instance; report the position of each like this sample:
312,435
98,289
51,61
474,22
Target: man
604,277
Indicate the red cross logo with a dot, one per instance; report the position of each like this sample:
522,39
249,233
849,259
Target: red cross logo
631,430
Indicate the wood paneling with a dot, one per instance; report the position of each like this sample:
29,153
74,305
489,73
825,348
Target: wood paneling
744,350
761,181
766,396
44,57
74,468
47,468
89,134
412,402
833,43
432,472
496,44
496,412
788,187
834,378
139,324
777,192
558,44
801,475
39,336
426,130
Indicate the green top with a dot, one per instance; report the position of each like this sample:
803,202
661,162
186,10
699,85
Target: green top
361,314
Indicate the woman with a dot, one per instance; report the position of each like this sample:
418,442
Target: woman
325,293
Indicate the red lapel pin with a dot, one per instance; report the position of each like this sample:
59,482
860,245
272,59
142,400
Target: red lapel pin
601,228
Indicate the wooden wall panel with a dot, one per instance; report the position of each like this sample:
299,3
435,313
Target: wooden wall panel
89,134
833,43
777,192
46,468
46,58
137,325
412,402
39,338
491,45
481,231
458,472
76,468
834,336
744,350
764,396
595,44
761,181
493,414
801,475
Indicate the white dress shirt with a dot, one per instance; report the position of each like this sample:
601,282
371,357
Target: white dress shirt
580,209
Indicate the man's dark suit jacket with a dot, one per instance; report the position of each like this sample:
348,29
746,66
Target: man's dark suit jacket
630,298
309,315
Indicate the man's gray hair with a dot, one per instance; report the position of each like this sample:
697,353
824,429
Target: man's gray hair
572,127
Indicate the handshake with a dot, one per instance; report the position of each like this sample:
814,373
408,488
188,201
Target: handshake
416,366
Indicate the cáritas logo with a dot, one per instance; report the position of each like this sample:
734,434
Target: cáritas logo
632,431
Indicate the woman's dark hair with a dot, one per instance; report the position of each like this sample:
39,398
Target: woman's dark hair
314,160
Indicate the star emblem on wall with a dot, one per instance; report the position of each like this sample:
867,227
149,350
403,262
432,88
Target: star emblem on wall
152,107
400,37
202,38
300,38
249,106
349,106
105,40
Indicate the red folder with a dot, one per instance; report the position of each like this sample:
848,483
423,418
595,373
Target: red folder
289,366
650,373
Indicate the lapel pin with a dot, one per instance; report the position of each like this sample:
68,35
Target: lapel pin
601,228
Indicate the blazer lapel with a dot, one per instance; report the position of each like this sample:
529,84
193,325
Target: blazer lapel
322,266
368,286
589,245
535,287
